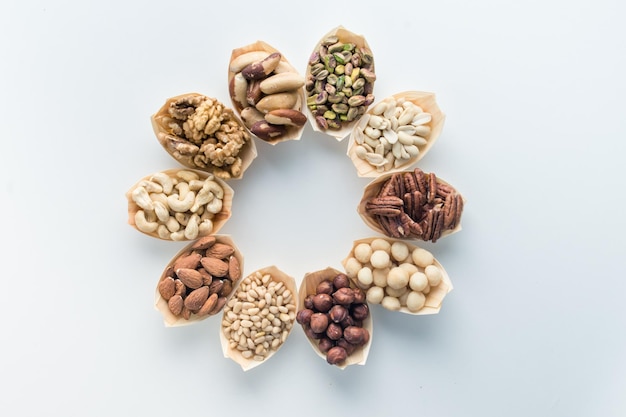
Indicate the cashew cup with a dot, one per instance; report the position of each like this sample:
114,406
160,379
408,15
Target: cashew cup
174,217
308,286
428,103
277,276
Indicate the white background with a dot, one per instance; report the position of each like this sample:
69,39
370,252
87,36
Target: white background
534,139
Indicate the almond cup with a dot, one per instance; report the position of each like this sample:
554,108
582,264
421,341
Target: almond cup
157,208
270,107
446,221
222,147
219,283
434,295
308,287
322,92
420,133
235,354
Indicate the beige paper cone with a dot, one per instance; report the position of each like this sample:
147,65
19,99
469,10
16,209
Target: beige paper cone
218,220
234,354
344,36
293,132
171,320
307,287
424,100
243,157
434,298
373,189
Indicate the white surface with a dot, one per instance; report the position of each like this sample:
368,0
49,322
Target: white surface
534,139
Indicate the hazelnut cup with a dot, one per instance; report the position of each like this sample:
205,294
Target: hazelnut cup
234,354
344,36
289,131
435,296
147,221
424,100
184,260
308,287
373,189
191,155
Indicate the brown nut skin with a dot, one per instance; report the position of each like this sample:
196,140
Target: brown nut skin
359,295
304,316
334,331
338,313
322,302
325,344
355,335
266,131
261,69
308,302
336,355
341,281
312,335
343,296
360,311
318,322
348,321
349,348
288,117
324,287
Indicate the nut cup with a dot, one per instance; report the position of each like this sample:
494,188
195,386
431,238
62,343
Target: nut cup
227,151
308,287
271,103
157,208
322,91
221,283
414,145
230,351
427,221
433,296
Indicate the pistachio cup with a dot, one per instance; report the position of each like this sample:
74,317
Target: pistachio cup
259,317
402,205
340,78
199,132
179,204
398,275
267,93
395,133
199,280
329,300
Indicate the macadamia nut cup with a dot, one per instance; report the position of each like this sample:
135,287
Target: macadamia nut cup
201,133
322,301
411,204
179,204
199,280
398,275
267,93
395,133
340,78
259,317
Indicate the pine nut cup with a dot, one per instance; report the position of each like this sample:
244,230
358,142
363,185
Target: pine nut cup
198,280
201,133
395,133
356,350
267,93
259,317
179,204
340,79
398,275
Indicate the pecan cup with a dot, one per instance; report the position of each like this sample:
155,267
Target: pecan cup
355,353
427,285
411,205
201,133
264,315
267,93
340,78
179,204
199,280
395,133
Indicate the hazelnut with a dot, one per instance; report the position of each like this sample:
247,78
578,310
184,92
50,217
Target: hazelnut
355,335
360,311
311,334
322,302
324,287
308,302
343,296
348,321
334,331
336,355
341,281
304,316
359,295
325,344
338,313
318,322
349,348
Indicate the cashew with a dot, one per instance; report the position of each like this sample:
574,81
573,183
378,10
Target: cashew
159,197
181,205
187,175
207,215
182,218
163,232
205,227
215,188
202,197
161,211
172,224
214,206
165,181
180,235
143,224
151,186
195,185
142,198
191,230
150,216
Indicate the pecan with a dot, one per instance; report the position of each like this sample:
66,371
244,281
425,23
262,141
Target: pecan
449,211
410,184
432,187
437,227
420,178
385,206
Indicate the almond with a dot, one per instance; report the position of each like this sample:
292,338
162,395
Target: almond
180,287
204,242
195,300
220,251
216,286
190,261
226,288
214,266
206,277
190,277
208,305
167,288
221,301
175,304
234,269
